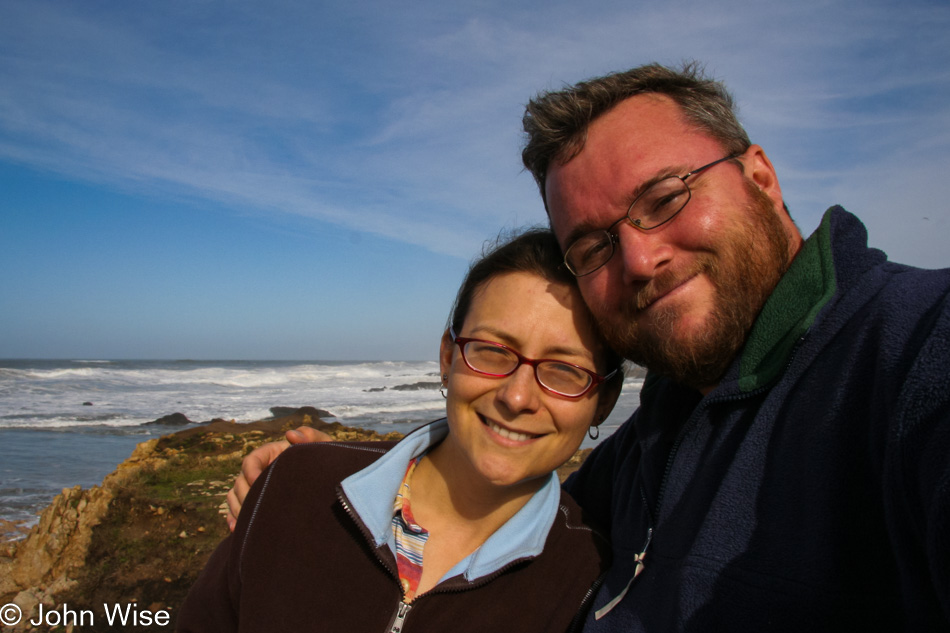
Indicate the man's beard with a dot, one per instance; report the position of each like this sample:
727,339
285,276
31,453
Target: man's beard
748,264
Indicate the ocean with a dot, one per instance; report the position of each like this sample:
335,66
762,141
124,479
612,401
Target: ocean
68,422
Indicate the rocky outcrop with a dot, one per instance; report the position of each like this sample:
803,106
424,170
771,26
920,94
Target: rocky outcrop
145,533
418,386
46,563
173,419
313,412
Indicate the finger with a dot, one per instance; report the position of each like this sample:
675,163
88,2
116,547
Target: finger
304,434
234,508
236,496
257,460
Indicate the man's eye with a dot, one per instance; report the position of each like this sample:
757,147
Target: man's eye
661,200
661,205
592,250
597,248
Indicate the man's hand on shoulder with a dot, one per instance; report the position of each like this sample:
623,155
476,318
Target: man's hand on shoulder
258,459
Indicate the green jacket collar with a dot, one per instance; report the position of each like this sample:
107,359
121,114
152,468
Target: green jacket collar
790,311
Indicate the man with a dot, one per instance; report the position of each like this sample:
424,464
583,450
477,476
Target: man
789,465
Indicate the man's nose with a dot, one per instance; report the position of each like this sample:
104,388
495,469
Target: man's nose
641,253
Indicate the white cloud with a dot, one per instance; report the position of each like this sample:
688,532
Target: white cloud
404,121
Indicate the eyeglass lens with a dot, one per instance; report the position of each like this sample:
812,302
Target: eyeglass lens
655,206
490,358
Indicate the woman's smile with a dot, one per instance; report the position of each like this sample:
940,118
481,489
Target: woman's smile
506,433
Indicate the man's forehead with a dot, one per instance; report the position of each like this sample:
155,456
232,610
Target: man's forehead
640,139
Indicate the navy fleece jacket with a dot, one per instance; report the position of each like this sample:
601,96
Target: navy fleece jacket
810,491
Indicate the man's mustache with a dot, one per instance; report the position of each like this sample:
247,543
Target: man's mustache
665,282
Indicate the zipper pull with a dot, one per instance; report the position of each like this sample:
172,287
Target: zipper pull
607,608
400,620
642,555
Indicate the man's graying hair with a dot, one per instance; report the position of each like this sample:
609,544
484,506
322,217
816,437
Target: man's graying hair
556,123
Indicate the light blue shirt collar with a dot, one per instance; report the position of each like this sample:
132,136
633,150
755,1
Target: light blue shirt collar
372,491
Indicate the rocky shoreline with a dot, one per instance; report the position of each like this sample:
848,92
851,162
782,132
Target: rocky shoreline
140,538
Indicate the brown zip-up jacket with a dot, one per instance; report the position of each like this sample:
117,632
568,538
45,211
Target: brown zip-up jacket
299,560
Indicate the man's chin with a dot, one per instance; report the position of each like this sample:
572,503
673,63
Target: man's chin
688,351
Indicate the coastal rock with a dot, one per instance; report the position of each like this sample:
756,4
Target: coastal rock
418,386
120,541
55,548
28,601
313,412
11,530
173,419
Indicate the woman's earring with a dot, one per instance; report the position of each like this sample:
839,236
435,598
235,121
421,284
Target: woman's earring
593,432
445,380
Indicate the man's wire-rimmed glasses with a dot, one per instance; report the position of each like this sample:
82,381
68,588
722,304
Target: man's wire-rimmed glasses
655,206
498,361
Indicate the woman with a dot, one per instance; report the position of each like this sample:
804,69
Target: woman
331,537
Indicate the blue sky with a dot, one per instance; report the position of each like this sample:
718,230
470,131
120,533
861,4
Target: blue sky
309,180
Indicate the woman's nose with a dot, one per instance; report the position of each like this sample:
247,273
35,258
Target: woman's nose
520,391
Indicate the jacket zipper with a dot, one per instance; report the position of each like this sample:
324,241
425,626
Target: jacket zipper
402,609
690,423
661,491
577,623
640,558
398,623
399,620
652,516
694,419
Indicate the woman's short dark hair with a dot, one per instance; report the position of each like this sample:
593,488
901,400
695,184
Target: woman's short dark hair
534,251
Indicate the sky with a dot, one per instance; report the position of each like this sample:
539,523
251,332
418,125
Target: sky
298,180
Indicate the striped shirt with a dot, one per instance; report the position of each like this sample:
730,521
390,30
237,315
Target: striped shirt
410,538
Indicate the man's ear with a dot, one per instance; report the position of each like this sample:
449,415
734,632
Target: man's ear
758,168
